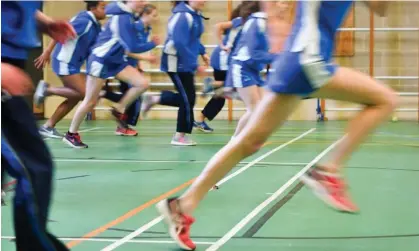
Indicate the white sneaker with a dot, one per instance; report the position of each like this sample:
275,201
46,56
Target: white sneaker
182,141
40,93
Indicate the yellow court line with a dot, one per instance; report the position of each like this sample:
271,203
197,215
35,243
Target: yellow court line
127,215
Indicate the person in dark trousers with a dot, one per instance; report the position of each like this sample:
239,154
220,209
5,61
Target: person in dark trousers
227,33
24,154
180,61
148,16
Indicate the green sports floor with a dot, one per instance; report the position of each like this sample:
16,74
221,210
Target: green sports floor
105,195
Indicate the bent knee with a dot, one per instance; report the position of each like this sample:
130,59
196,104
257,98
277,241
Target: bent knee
390,101
141,83
252,146
90,104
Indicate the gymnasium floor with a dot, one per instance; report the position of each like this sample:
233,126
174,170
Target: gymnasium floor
106,194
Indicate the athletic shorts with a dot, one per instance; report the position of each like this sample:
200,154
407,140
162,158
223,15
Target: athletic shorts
98,69
220,75
64,69
299,74
241,76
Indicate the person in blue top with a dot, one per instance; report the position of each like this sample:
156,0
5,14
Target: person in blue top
249,58
227,33
148,16
180,60
304,68
67,60
24,155
108,58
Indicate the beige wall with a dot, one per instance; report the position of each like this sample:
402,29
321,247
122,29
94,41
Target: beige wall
396,53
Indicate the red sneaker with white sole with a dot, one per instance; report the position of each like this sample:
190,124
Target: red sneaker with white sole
331,189
178,224
126,131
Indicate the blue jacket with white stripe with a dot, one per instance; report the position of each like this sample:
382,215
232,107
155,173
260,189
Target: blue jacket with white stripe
183,45
76,51
118,36
220,59
253,47
143,33
19,31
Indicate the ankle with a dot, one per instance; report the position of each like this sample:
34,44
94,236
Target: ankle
179,134
201,118
329,168
119,108
155,100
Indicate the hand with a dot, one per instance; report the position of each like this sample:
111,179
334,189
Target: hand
156,40
43,60
206,59
14,81
60,31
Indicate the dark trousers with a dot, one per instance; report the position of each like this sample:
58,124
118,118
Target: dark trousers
213,107
132,111
25,156
184,99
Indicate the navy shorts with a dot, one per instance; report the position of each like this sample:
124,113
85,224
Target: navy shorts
299,74
104,70
64,69
241,76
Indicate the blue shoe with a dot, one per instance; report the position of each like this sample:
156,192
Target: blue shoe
202,126
208,82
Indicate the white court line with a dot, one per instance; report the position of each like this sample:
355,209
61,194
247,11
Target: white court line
158,219
85,130
173,161
264,204
112,240
91,129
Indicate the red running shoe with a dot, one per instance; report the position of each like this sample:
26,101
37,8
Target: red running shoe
125,131
178,224
331,189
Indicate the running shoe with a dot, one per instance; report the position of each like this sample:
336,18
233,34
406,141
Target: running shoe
74,140
203,126
147,104
330,188
40,93
182,141
178,224
50,132
208,86
127,131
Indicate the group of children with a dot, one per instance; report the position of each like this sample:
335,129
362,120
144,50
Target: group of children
302,67
116,52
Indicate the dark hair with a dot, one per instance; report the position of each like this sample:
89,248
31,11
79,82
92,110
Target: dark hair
92,4
178,2
148,8
248,8
236,12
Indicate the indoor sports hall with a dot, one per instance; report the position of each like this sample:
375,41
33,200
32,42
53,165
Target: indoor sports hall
105,196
